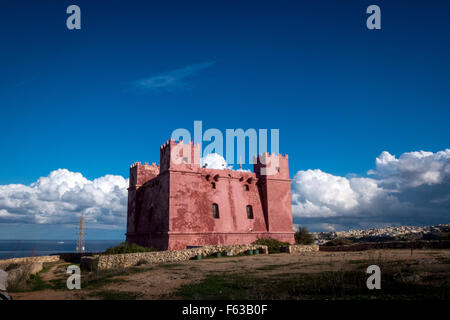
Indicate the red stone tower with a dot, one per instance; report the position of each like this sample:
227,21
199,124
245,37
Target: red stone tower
272,172
180,204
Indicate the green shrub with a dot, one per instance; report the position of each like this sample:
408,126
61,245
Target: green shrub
302,236
338,242
273,245
125,247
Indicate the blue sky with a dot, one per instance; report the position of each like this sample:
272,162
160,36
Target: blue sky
96,100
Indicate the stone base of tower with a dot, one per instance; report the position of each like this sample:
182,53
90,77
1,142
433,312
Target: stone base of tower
182,240
178,241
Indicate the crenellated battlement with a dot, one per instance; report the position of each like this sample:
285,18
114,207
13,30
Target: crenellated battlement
141,173
153,165
183,155
180,155
271,166
172,142
271,155
167,143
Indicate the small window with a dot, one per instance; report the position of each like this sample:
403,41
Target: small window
185,160
213,185
277,169
245,187
249,212
215,211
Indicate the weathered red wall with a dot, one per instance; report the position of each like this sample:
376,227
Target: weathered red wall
173,210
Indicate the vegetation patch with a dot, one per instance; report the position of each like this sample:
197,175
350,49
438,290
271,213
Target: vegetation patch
273,245
302,236
276,266
24,281
125,247
340,285
338,242
36,283
100,278
58,284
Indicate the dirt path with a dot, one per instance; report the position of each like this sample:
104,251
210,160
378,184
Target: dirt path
53,273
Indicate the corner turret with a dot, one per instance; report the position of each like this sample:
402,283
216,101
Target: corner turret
179,155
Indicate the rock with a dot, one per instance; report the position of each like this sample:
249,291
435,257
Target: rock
20,273
3,280
297,248
35,267
40,259
89,263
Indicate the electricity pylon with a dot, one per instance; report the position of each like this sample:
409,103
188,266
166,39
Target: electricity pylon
80,243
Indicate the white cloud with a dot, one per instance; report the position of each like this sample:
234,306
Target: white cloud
322,191
413,169
214,161
413,188
62,196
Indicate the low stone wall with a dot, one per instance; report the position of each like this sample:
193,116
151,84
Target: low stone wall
298,248
116,261
40,259
20,269
75,257
444,244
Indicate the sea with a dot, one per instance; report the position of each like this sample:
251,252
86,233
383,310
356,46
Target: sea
33,248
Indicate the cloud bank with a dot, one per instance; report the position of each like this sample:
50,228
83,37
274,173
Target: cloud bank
62,196
171,80
411,189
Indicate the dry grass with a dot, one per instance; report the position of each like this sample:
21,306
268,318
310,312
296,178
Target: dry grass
421,274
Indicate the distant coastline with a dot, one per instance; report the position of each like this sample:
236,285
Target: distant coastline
18,248
28,248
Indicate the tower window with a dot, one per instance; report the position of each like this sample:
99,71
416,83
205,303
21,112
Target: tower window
249,212
277,169
245,187
213,185
215,211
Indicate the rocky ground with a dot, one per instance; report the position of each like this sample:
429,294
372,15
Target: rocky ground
441,231
405,274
